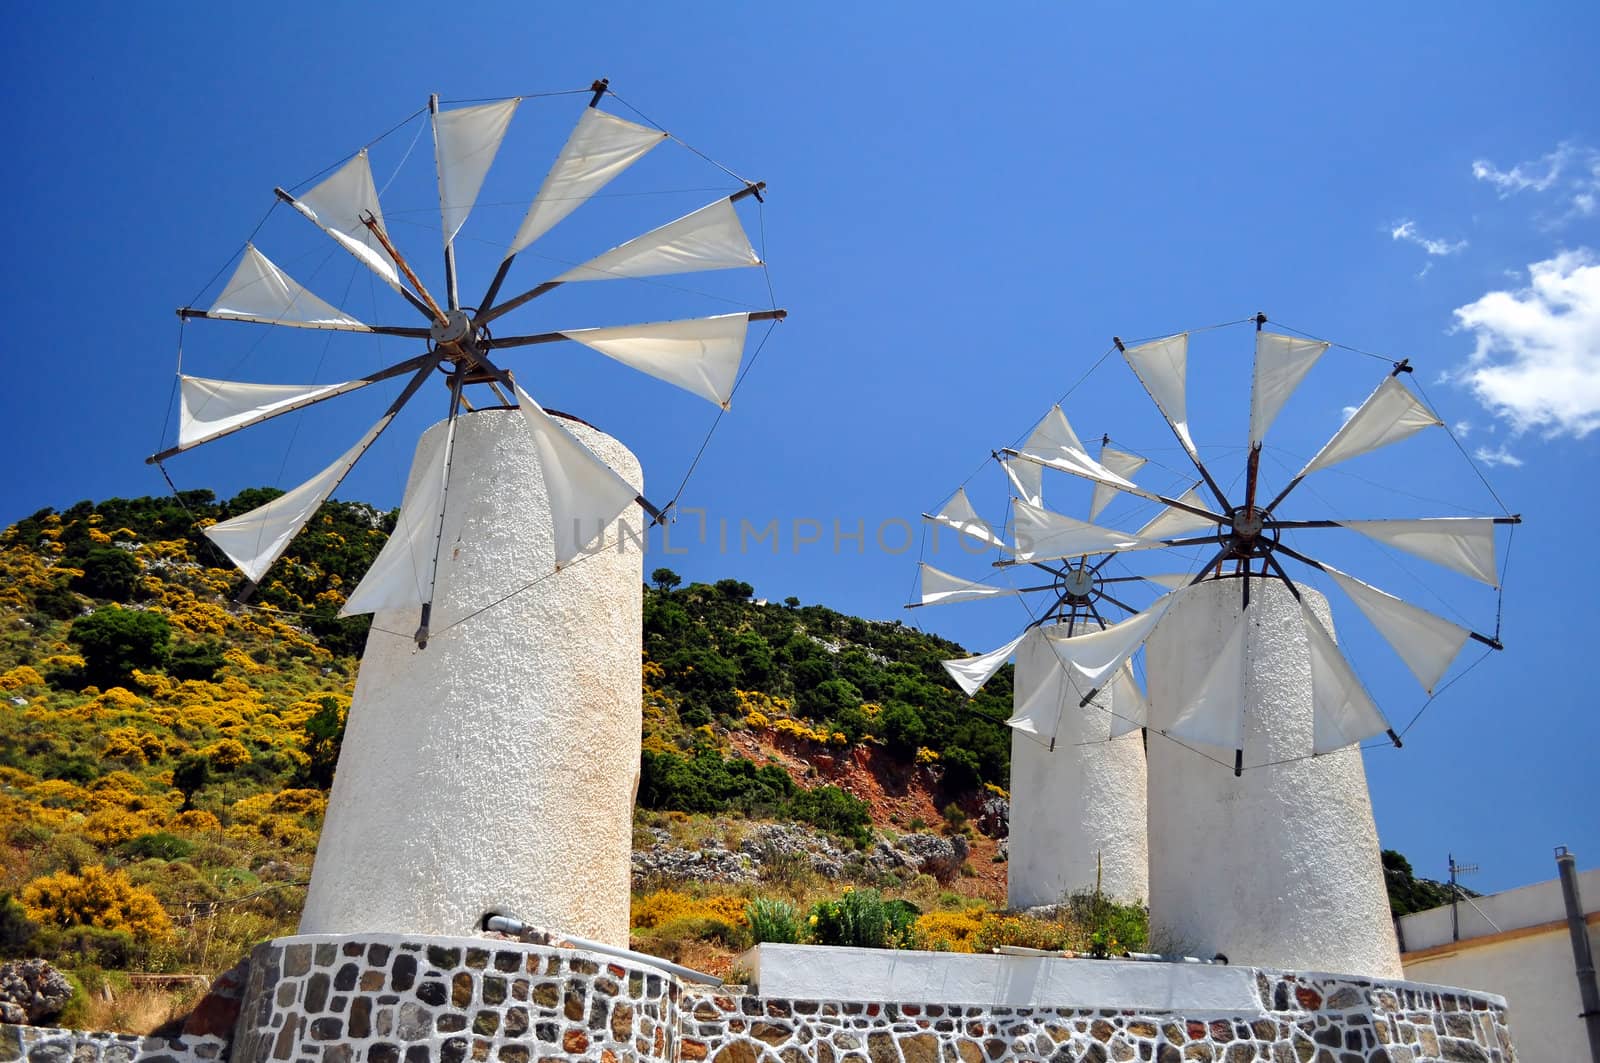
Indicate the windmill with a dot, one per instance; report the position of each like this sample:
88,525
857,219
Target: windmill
1251,663
496,747
701,355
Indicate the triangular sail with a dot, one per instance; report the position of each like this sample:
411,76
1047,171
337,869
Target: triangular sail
700,355
1055,444
1124,465
1172,580
709,238
1426,642
1342,713
970,673
1281,363
601,147
1173,522
1130,708
1390,414
211,408
941,588
1027,479
1042,535
1465,544
256,539
1096,656
336,206
465,142
403,575
260,291
1162,367
1214,713
959,514
585,493
1042,691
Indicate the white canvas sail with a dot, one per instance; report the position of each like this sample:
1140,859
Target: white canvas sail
1121,463
1096,656
1043,690
1342,712
1130,708
1425,641
1390,414
941,588
1027,479
402,576
1214,714
465,142
1042,535
336,206
211,408
709,238
1281,363
586,494
700,355
970,673
1172,522
1162,367
600,148
260,291
959,514
256,539
1053,443
1465,544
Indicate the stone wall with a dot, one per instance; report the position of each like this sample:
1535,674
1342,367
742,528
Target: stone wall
389,999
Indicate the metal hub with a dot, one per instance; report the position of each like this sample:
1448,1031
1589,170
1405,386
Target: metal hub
456,327
1079,583
1247,533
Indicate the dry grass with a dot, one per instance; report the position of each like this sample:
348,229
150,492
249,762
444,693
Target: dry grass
138,1009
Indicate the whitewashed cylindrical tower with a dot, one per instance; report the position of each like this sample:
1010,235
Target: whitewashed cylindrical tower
497,767
1279,867
1077,811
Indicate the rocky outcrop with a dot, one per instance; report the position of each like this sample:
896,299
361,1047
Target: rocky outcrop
774,850
32,992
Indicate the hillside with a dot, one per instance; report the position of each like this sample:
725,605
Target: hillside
165,753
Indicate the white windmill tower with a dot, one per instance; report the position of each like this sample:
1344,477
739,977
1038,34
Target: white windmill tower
492,743
1078,808
1262,844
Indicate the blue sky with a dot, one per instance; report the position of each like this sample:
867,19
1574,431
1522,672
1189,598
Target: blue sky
965,205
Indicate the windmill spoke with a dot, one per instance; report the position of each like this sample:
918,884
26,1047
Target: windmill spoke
1120,605
189,312
556,337
305,212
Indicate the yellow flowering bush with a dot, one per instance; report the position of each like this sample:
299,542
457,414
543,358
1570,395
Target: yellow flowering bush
669,906
96,897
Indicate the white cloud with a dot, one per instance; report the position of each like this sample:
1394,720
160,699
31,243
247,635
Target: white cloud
1498,456
1406,230
1347,413
1537,360
1463,428
1577,163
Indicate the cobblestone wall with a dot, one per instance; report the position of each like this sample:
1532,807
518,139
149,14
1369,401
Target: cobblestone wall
387,999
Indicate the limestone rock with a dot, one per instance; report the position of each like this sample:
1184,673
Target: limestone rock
32,992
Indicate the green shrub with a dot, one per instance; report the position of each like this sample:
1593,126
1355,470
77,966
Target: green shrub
863,919
833,810
195,660
159,846
1112,928
108,573
115,641
773,919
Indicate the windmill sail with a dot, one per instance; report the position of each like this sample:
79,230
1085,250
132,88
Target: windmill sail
1053,443
1042,536
260,291
701,355
710,238
1173,522
1213,715
1124,465
403,575
336,207
1465,544
600,148
1390,414
256,539
1027,479
1162,367
1095,657
1043,691
941,588
211,408
1281,363
970,673
959,514
465,142
1342,712
1426,642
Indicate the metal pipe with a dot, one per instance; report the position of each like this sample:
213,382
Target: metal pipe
1582,956
505,923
